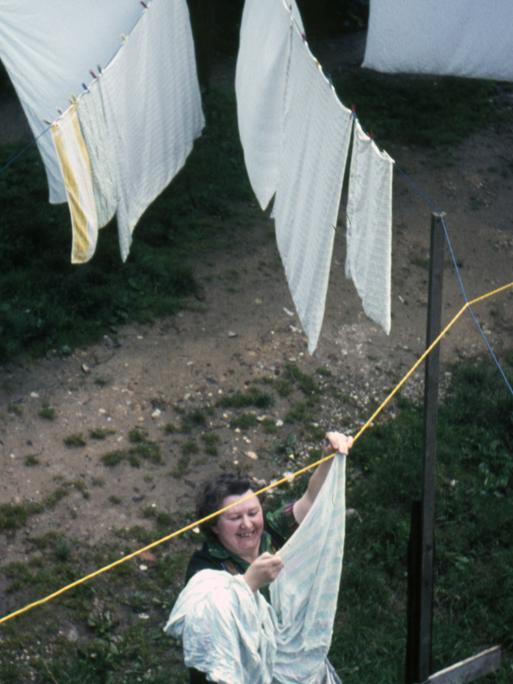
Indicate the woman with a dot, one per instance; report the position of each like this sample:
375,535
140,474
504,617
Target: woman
244,540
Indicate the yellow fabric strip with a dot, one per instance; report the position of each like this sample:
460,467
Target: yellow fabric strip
277,483
76,170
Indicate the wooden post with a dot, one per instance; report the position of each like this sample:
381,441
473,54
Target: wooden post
420,627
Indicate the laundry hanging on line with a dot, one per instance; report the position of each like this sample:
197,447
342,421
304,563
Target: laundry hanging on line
369,227
48,49
141,116
236,637
316,137
260,86
459,38
76,172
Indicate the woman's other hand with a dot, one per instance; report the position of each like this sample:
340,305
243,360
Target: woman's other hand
339,442
263,570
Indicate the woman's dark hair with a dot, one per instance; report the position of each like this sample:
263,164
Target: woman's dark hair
212,494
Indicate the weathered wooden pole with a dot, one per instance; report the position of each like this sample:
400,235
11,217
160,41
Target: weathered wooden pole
422,540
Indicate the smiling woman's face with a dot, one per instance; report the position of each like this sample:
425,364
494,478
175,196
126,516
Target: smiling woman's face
240,529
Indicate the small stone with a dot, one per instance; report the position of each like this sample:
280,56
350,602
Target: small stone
231,333
279,423
156,414
143,567
258,301
288,311
143,616
85,368
252,455
34,395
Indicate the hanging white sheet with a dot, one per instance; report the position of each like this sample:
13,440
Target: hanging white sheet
369,227
48,49
238,638
460,37
152,106
316,138
140,118
260,85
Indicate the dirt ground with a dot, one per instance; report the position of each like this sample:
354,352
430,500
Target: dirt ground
245,329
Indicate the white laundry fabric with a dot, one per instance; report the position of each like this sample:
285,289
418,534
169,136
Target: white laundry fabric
461,37
152,106
369,227
317,131
76,170
97,131
48,49
236,637
304,595
226,630
260,86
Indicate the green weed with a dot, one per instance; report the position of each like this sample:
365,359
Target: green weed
46,412
75,440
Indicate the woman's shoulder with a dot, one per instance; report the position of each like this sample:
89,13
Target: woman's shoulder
202,559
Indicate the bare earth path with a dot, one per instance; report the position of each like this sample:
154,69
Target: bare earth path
145,378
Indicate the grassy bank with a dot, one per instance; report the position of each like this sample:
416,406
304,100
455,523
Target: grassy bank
110,629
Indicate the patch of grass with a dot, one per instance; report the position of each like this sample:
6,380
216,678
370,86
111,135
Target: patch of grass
302,380
211,442
425,111
113,458
74,441
245,421
253,397
31,460
46,412
101,433
137,436
182,466
115,500
193,419
301,412
190,447
269,426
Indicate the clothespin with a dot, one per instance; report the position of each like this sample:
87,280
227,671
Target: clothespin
85,87
124,37
353,111
73,99
100,70
143,4
93,74
59,111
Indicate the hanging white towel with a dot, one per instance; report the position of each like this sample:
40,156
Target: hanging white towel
98,136
236,637
369,227
76,171
260,85
152,104
48,49
459,38
316,139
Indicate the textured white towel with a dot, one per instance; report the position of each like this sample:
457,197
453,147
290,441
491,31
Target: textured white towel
238,638
260,85
316,139
153,106
369,227
76,171
226,630
98,136
304,596
48,49
459,37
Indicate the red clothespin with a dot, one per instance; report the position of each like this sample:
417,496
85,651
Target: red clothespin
93,74
353,111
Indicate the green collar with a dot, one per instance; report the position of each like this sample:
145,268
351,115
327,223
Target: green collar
218,551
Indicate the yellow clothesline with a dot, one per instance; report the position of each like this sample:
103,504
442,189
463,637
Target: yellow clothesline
277,483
